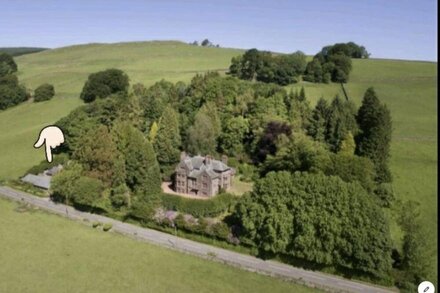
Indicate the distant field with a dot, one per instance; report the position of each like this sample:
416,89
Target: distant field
408,88
40,252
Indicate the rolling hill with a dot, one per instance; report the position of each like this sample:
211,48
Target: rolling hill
409,88
18,51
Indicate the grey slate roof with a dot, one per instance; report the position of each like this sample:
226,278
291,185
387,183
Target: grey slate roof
42,181
54,170
197,165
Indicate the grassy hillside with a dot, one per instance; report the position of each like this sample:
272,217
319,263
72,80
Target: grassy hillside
46,253
18,51
67,69
408,88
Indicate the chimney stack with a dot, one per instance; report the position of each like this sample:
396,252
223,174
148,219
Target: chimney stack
225,159
208,159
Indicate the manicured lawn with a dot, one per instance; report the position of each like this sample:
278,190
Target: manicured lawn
239,187
40,252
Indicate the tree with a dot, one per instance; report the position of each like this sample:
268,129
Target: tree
104,83
299,153
415,259
44,92
317,127
206,43
352,168
202,136
99,156
167,141
299,110
233,135
317,218
62,183
341,120
156,99
374,139
205,131
348,145
141,167
342,68
153,132
88,192
267,144
313,71
11,95
252,61
7,65
235,67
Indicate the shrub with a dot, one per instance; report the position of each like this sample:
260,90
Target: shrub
44,92
220,230
120,196
180,222
107,227
96,224
247,172
87,192
199,208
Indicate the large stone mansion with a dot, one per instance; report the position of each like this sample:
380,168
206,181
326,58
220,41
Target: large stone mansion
202,176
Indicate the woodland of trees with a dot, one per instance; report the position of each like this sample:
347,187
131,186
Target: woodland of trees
322,180
331,64
11,91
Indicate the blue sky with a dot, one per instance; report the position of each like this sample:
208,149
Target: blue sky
399,29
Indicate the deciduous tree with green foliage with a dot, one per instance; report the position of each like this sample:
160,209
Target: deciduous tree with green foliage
203,135
233,135
317,218
7,65
44,92
104,83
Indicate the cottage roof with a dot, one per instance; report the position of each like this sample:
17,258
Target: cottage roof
54,170
42,181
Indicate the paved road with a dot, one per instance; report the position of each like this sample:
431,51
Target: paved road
314,279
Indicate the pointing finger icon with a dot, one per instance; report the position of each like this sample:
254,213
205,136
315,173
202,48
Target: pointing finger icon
52,136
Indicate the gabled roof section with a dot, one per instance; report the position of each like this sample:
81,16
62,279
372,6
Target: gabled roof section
198,164
42,181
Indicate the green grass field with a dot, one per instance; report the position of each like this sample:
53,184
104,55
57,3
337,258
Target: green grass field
40,252
408,88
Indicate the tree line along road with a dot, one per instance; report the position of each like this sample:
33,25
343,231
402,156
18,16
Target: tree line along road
247,262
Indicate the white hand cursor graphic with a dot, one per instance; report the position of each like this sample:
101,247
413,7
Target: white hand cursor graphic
53,137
